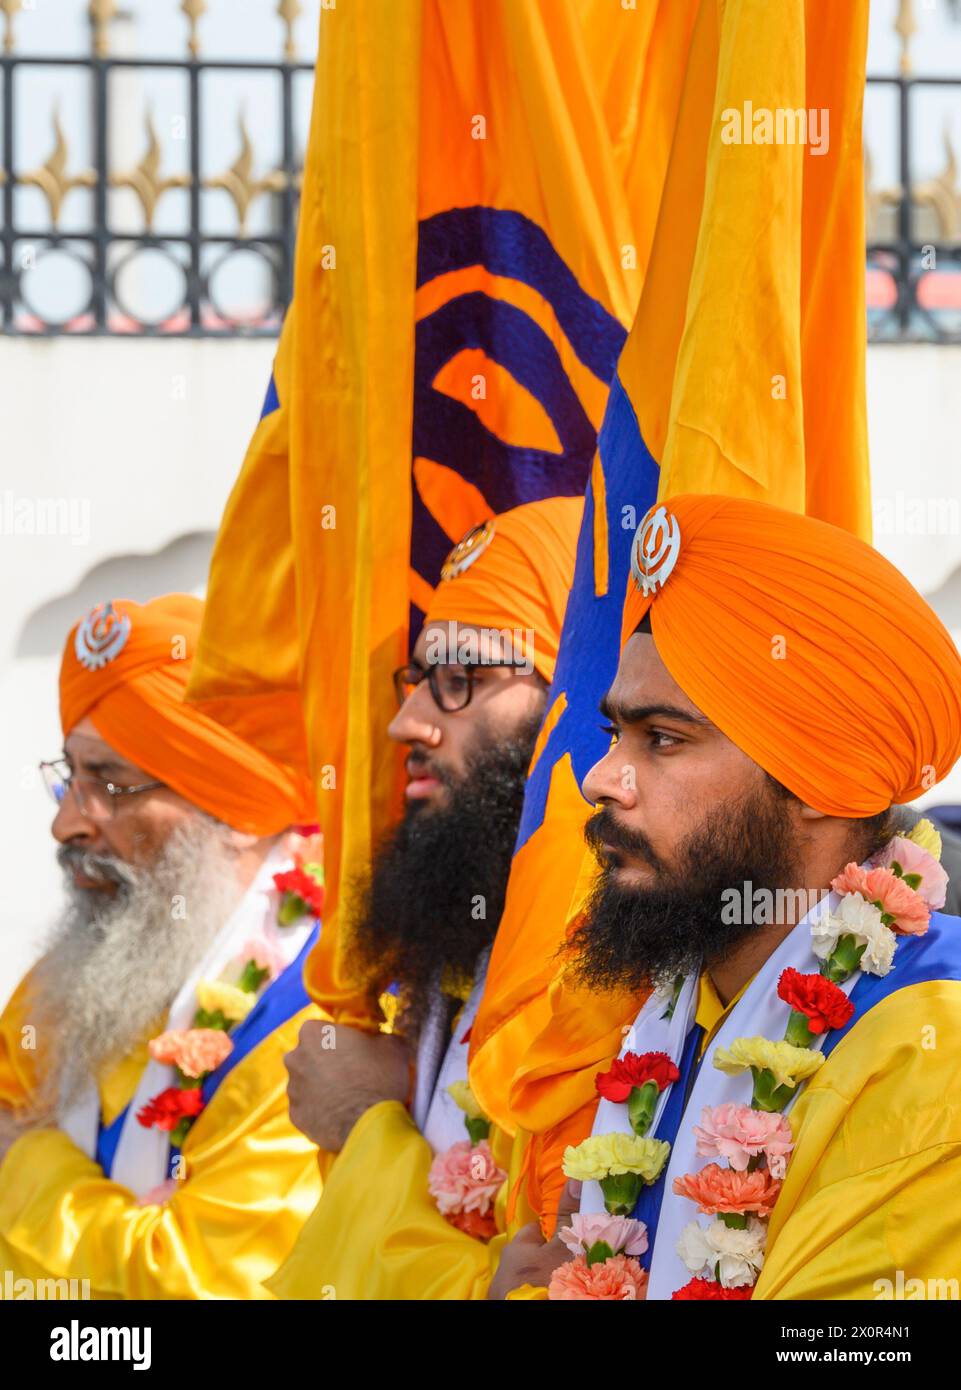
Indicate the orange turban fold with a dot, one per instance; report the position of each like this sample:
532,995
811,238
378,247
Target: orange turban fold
515,572
807,648
126,666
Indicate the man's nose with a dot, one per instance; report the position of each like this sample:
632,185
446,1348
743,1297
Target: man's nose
612,780
70,826
416,720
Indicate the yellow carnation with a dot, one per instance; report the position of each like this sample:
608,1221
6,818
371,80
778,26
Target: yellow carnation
787,1064
235,1004
606,1155
926,837
462,1096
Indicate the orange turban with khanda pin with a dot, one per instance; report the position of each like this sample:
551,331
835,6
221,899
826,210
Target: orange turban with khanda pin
126,666
802,644
515,572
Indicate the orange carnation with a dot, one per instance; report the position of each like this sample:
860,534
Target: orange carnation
718,1189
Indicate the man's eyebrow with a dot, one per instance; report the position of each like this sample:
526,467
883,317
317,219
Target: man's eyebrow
104,767
636,714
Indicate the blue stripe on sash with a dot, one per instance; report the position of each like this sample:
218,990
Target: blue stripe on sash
648,1207
283,998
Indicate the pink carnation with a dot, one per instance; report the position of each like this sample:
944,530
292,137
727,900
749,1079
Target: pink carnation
195,1051
621,1233
617,1278
915,860
909,911
264,953
465,1178
739,1133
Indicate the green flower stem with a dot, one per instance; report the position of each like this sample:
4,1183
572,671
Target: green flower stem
641,1104
477,1128
768,1095
599,1252
252,978
621,1191
291,909
798,1030
179,1134
843,960
736,1220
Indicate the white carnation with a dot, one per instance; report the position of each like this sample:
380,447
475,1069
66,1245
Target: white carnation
858,918
735,1256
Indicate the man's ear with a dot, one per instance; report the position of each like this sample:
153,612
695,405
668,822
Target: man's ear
808,813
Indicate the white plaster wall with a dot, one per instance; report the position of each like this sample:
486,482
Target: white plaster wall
145,439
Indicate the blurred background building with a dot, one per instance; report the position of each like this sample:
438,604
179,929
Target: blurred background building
150,162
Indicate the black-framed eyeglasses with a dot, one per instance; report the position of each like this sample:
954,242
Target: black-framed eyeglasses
450,686
96,799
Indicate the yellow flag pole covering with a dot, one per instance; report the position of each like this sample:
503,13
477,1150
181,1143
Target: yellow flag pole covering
743,374
478,207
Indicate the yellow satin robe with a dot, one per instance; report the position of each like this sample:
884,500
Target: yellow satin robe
377,1233
251,1181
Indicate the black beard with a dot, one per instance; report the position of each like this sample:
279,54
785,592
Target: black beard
437,883
635,936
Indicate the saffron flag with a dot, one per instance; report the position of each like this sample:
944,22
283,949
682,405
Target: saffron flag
479,202
743,374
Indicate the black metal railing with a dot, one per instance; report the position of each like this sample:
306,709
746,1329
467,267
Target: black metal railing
102,249
913,250
916,267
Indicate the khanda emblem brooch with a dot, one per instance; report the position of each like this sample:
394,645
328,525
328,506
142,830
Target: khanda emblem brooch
654,550
467,549
101,637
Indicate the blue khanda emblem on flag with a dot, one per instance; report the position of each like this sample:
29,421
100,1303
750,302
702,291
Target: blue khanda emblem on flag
447,431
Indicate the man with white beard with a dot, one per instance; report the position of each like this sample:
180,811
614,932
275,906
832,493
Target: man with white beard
145,1144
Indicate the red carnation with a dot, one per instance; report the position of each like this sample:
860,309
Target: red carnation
167,1109
822,1002
302,893
635,1069
708,1290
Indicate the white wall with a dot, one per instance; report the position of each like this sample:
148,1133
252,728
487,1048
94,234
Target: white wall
140,442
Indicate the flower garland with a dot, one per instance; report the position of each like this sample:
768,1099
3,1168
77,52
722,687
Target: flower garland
464,1179
893,896
197,1051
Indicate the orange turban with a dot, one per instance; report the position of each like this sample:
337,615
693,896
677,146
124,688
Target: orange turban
126,666
515,571
807,648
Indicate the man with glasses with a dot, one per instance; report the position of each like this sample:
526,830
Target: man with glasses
471,703
145,1145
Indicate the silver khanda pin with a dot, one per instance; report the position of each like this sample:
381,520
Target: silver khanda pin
101,637
654,550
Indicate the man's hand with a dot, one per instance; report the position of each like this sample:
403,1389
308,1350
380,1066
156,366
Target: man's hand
336,1073
529,1259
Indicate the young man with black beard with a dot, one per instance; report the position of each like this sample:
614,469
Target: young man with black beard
802,1138
472,700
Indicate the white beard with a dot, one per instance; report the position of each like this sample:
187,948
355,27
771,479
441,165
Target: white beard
113,967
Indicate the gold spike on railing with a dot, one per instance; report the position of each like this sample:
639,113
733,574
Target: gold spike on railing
239,182
906,26
9,9
102,13
52,178
289,11
146,180
193,9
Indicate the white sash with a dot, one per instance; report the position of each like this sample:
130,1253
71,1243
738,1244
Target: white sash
439,1119
758,1013
142,1155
